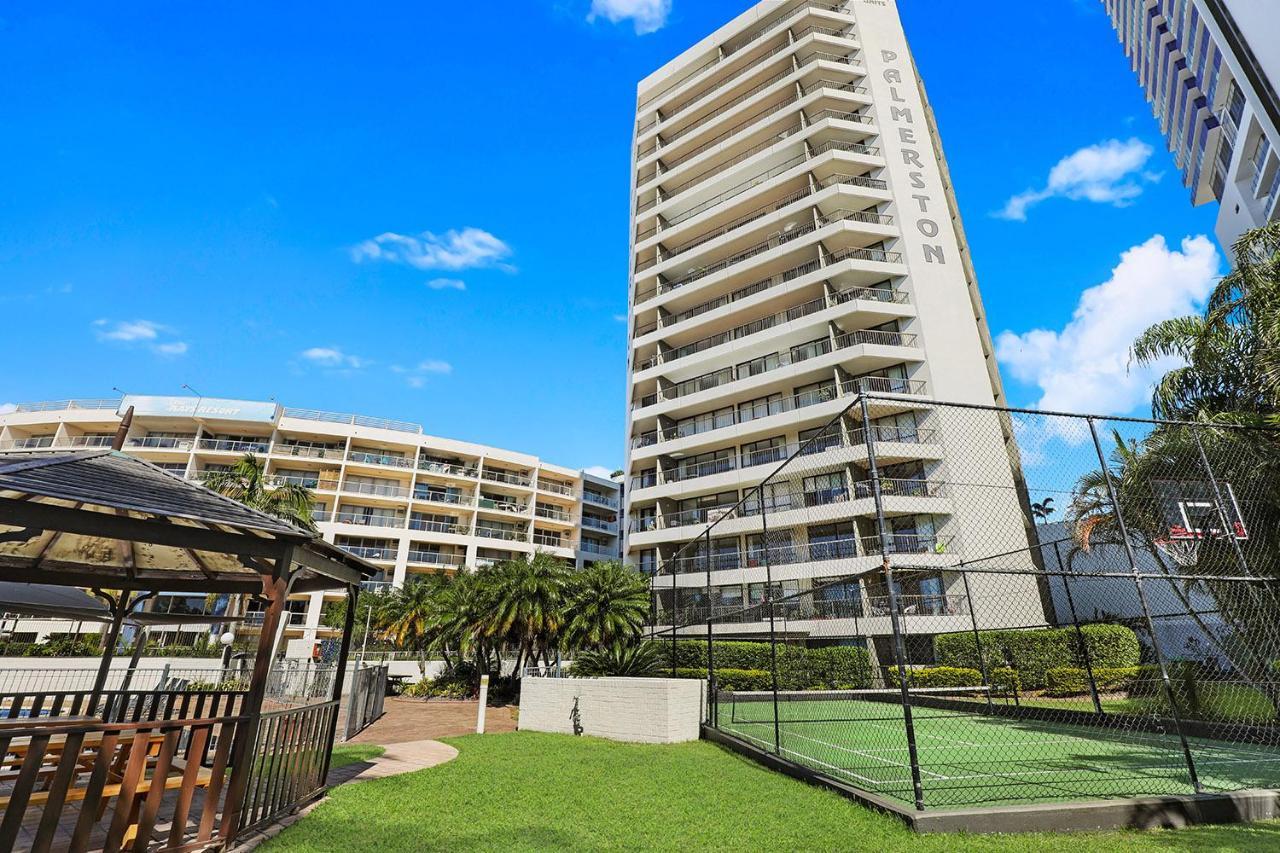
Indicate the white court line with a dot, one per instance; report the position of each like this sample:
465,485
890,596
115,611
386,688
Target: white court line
862,754
840,770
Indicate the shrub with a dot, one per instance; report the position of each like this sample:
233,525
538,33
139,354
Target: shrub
939,676
1005,679
799,668
1066,681
734,679
1034,652
637,661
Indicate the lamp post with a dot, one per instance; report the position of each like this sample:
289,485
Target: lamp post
226,640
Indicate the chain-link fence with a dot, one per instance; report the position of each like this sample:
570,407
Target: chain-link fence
950,605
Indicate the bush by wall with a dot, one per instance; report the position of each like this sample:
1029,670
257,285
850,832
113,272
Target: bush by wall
799,668
1074,681
733,679
938,676
1036,651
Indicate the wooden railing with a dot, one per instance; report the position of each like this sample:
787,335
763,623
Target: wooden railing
288,762
164,783
120,706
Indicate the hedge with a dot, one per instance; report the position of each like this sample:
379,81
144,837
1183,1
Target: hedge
733,679
1036,651
799,668
1074,681
938,676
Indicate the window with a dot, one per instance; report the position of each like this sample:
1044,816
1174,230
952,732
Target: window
814,393
823,438
832,542
825,489
780,550
764,451
760,407
648,562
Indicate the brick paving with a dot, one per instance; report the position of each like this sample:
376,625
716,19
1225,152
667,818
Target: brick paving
417,719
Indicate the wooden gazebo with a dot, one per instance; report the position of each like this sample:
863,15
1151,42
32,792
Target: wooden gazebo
162,768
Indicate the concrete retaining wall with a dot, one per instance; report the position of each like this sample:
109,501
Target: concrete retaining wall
644,710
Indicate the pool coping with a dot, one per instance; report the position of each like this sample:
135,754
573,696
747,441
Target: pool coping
1167,812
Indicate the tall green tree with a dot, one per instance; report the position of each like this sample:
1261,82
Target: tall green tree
248,483
607,604
528,605
412,615
1229,355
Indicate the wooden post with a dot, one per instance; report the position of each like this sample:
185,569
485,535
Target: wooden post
275,588
344,654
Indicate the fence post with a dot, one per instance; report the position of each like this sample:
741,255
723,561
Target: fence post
899,644
711,670
1085,654
977,638
773,636
1146,610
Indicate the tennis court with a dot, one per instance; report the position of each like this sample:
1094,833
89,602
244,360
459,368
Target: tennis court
972,757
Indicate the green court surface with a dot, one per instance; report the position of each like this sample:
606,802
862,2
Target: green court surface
973,758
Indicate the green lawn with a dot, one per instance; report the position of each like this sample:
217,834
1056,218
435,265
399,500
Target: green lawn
349,753
526,791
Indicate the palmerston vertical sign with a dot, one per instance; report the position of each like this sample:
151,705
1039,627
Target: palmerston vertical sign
902,120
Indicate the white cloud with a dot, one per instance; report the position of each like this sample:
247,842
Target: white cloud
1110,172
453,250
128,330
332,357
599,471
648,16
141,332
620,318
416,376
447,284
1085,366
6,408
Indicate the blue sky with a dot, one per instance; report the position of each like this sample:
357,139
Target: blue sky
194,194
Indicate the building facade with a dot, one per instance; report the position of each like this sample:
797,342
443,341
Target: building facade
795,241
1210,70
409,502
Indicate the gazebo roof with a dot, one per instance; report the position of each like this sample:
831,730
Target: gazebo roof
103,518
67,602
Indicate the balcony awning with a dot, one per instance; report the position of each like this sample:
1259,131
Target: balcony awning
101,518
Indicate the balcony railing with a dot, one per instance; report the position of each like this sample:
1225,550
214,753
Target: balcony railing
600,499
443,497
354,420
439,526
555,488
550,512
376,587
498,476
598,523
155,442
875,337
902,488
234,445
449,469
91,441
32,443
367,519
595,548
502,505
307,451
293,480
672,162
499,533
772,80
377,489
919,605
747,39
371,552
370,457
550,541
435,558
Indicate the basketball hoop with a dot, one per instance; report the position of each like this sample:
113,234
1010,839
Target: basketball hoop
1182,550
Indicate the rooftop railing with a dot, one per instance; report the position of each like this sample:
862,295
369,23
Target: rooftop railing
78,403
353,420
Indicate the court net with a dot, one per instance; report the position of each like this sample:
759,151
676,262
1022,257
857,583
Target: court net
838,706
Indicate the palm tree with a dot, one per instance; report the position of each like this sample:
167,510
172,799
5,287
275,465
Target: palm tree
607,605
1230,354
413,616
528,604
248,483
1042,510
463,605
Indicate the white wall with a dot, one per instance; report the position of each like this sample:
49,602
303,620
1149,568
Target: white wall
642,710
